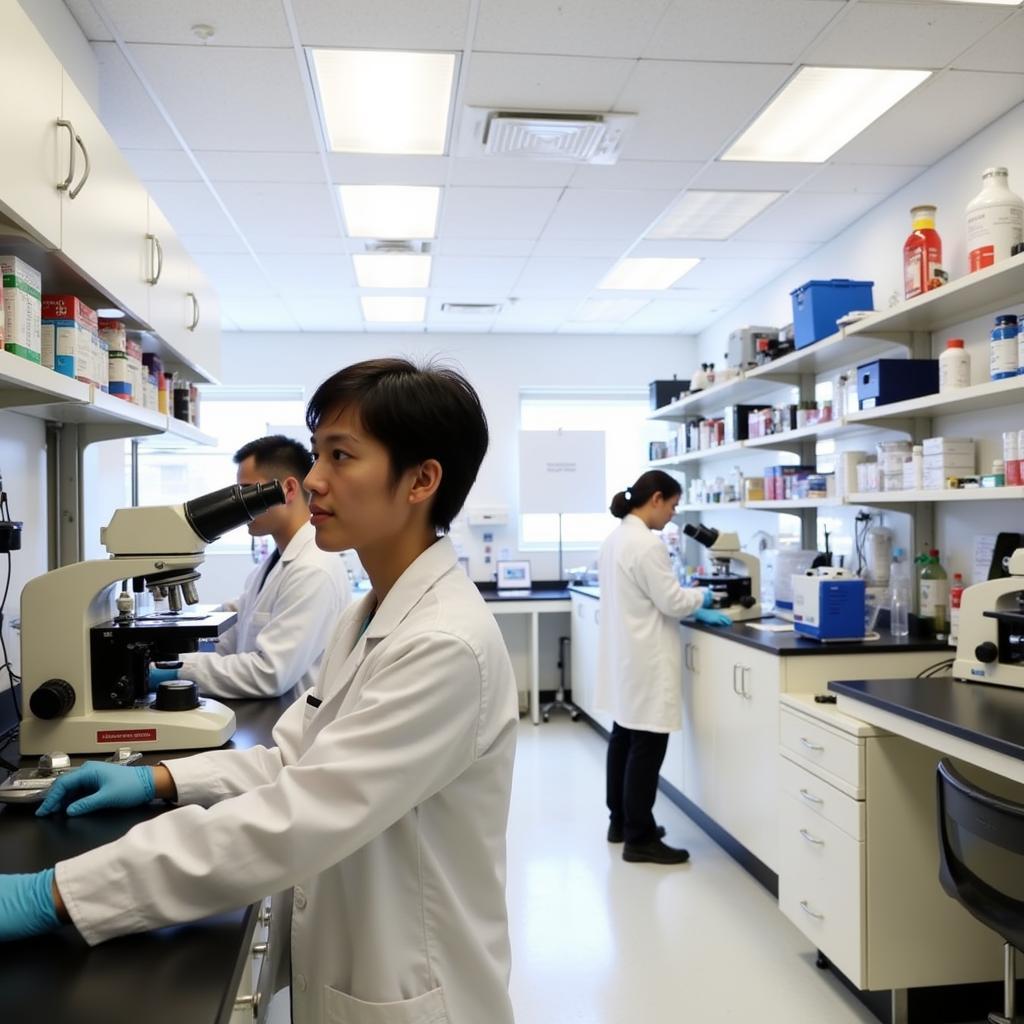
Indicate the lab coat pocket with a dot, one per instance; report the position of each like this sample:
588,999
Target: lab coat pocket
340,1008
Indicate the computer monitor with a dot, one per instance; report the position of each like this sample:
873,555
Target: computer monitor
514,576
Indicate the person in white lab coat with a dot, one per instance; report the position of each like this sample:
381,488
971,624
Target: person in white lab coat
291,603
383,803
640,671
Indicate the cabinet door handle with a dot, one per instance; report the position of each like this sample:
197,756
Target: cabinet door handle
597,617
260,949
816,747
73,194
579,611
694,651
66,183
744,692
735,688
156,259
250,1002
810,913
195,311
810,797
811,839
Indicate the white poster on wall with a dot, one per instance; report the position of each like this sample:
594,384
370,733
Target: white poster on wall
561,471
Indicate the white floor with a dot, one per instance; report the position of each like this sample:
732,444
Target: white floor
599,941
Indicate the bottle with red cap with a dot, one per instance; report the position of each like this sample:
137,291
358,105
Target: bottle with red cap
954,366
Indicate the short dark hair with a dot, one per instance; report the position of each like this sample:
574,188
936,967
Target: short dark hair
654,481
417,413
277,454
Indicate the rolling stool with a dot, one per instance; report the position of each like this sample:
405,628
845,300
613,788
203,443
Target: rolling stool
560,703
981,840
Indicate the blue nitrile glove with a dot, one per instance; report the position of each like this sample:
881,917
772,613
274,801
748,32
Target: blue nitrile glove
26,905
160,675
100,785
709,597
711,617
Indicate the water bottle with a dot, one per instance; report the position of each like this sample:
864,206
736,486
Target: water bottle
900,594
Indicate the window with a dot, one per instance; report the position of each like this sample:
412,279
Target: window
622,415
173,471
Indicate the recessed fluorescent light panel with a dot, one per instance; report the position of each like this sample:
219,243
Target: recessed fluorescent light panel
382,101
820,111
394,309
648,273
609,310
392,270
1004,3
712,215
390,212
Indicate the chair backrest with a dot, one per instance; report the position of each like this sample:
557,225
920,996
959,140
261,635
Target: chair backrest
981,839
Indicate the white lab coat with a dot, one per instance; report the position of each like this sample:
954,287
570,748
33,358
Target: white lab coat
282,630
640,669
385,807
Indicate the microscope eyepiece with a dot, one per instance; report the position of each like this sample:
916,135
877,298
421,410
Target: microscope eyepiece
706,535
213,514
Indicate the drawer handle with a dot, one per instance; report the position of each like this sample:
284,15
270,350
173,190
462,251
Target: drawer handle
810,913
260,949
810,797
251,1003
811,839
816,747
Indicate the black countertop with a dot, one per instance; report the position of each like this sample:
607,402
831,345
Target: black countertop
791,644
186,973
538,592
991,716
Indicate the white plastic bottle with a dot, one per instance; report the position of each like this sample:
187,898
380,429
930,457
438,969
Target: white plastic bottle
954,366
995,221
900,594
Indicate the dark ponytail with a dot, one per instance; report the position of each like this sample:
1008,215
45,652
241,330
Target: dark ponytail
654,481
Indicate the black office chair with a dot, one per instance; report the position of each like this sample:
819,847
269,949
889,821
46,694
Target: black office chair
981,838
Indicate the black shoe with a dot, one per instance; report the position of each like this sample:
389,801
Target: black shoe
617,835
654,852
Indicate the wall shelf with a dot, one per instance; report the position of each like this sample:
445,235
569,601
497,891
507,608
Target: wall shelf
186,432
34,389
910,497
988,395
793,504
705,454
740,390
835,352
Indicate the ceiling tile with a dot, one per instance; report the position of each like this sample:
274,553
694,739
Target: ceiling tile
740,30
508,247
235,22
221,165
161,164
862,178
260,104
126,110
338,312
196,244
665,174
1001,50
271,208
88,20
689,111
298,245
532,82
233,274
807,218
302,275
535,314
465,273
190,208
606,213
730,175
512,173
358,169
383,24
902,35
544,276
589,248
508,213
662,317
592,28
258,313
739,276
967,102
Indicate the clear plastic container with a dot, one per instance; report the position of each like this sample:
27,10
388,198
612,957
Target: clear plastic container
900,594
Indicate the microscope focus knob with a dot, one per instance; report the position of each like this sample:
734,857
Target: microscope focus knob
55,698
986,652
177,695
748,601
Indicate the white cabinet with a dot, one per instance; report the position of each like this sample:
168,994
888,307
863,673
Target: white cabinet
169,274
202,348
586,624
697,738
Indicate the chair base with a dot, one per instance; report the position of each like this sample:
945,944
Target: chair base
998,1018
559,704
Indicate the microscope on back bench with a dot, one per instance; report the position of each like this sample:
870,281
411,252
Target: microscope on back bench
738,594
85,671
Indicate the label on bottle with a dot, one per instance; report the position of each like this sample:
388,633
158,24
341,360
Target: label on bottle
1002,358
991,232
934,594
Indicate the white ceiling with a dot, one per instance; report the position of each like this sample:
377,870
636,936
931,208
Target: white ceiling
226,138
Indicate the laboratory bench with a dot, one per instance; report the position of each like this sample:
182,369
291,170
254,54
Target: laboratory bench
192,972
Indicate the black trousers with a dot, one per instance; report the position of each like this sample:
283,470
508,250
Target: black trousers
634,761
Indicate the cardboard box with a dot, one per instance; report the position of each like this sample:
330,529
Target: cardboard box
22,305
948,446
69,329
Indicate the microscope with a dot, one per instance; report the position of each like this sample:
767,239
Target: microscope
735,593
990,645
85,670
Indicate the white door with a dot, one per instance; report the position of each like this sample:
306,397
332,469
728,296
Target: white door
698,733
36,147
203,328
104,213
582,690
170,276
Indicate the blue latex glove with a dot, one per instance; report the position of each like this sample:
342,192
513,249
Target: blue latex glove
99,785
160,675
711,617
709,597
26,905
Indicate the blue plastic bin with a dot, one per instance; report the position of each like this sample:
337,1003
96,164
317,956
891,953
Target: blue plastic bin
818,304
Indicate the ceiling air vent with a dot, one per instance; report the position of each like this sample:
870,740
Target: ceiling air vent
396,247
471,308
575,138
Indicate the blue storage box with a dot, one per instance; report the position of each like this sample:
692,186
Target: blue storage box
894,380
817,305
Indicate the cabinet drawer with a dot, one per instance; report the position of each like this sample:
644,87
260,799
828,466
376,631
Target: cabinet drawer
821,886
817,746
822,799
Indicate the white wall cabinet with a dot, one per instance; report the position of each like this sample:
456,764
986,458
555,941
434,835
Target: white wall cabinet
586,623
202,348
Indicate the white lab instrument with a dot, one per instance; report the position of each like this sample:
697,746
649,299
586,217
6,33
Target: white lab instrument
990,648
85,672
737,594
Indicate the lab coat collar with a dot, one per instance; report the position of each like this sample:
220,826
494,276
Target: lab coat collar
437,560
634,521
304,535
